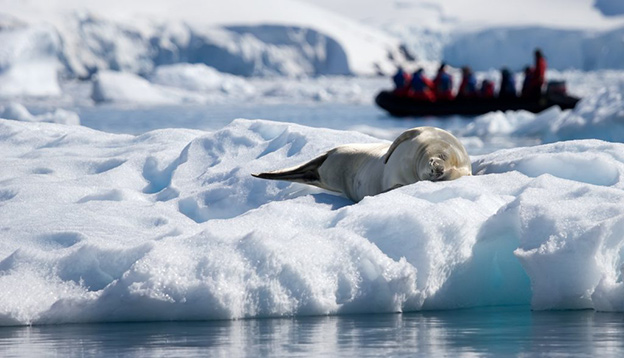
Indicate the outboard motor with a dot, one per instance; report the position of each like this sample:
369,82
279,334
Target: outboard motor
556,87
556,94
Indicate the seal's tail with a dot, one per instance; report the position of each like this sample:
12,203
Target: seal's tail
305,173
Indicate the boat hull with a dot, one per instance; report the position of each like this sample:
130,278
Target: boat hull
401,106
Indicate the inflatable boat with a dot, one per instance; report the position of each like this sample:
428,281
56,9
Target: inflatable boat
402,106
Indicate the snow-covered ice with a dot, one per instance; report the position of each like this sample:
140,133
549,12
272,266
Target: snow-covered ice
18,112
125,87
276,37
600,115
170,225
199,77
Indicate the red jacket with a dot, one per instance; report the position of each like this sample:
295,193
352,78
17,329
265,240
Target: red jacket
404,90
487,89
422,88
539,73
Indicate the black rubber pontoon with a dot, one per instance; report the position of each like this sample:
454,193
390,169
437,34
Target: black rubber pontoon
401,106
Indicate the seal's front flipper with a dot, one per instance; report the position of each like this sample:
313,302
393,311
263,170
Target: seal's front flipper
306,173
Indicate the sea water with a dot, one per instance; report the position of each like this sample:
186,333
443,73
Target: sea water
365,118
496,332
136,120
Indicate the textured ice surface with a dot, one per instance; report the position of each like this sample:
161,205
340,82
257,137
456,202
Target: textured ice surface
170,225
276,37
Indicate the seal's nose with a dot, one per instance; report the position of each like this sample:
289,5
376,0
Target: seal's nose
437,167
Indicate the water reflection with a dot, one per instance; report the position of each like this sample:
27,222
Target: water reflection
491,332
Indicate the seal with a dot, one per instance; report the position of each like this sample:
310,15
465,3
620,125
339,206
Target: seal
360,170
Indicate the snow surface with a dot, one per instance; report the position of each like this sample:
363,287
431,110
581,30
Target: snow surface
171,225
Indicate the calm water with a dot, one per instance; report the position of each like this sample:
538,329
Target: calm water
366,118
136,120
496,332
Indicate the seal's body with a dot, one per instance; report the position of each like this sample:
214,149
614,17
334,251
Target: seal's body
359,170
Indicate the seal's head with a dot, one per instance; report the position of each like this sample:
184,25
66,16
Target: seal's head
431,154
439,167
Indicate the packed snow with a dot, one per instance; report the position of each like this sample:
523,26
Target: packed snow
171,225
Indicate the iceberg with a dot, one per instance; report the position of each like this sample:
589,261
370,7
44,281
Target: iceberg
200,78
18,112
170,225
280,37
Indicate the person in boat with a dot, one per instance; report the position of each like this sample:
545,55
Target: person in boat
443,84
487,89
401,81
421,88
526,83
539,73
508,85
538,76
468,86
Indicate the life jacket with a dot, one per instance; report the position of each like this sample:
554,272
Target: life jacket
418,83
487,89
444,86
508,86
399,79
444,82
421,87
468,87
526,83
538,77
539,73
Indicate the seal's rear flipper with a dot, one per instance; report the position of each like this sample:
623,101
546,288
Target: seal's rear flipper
306,173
